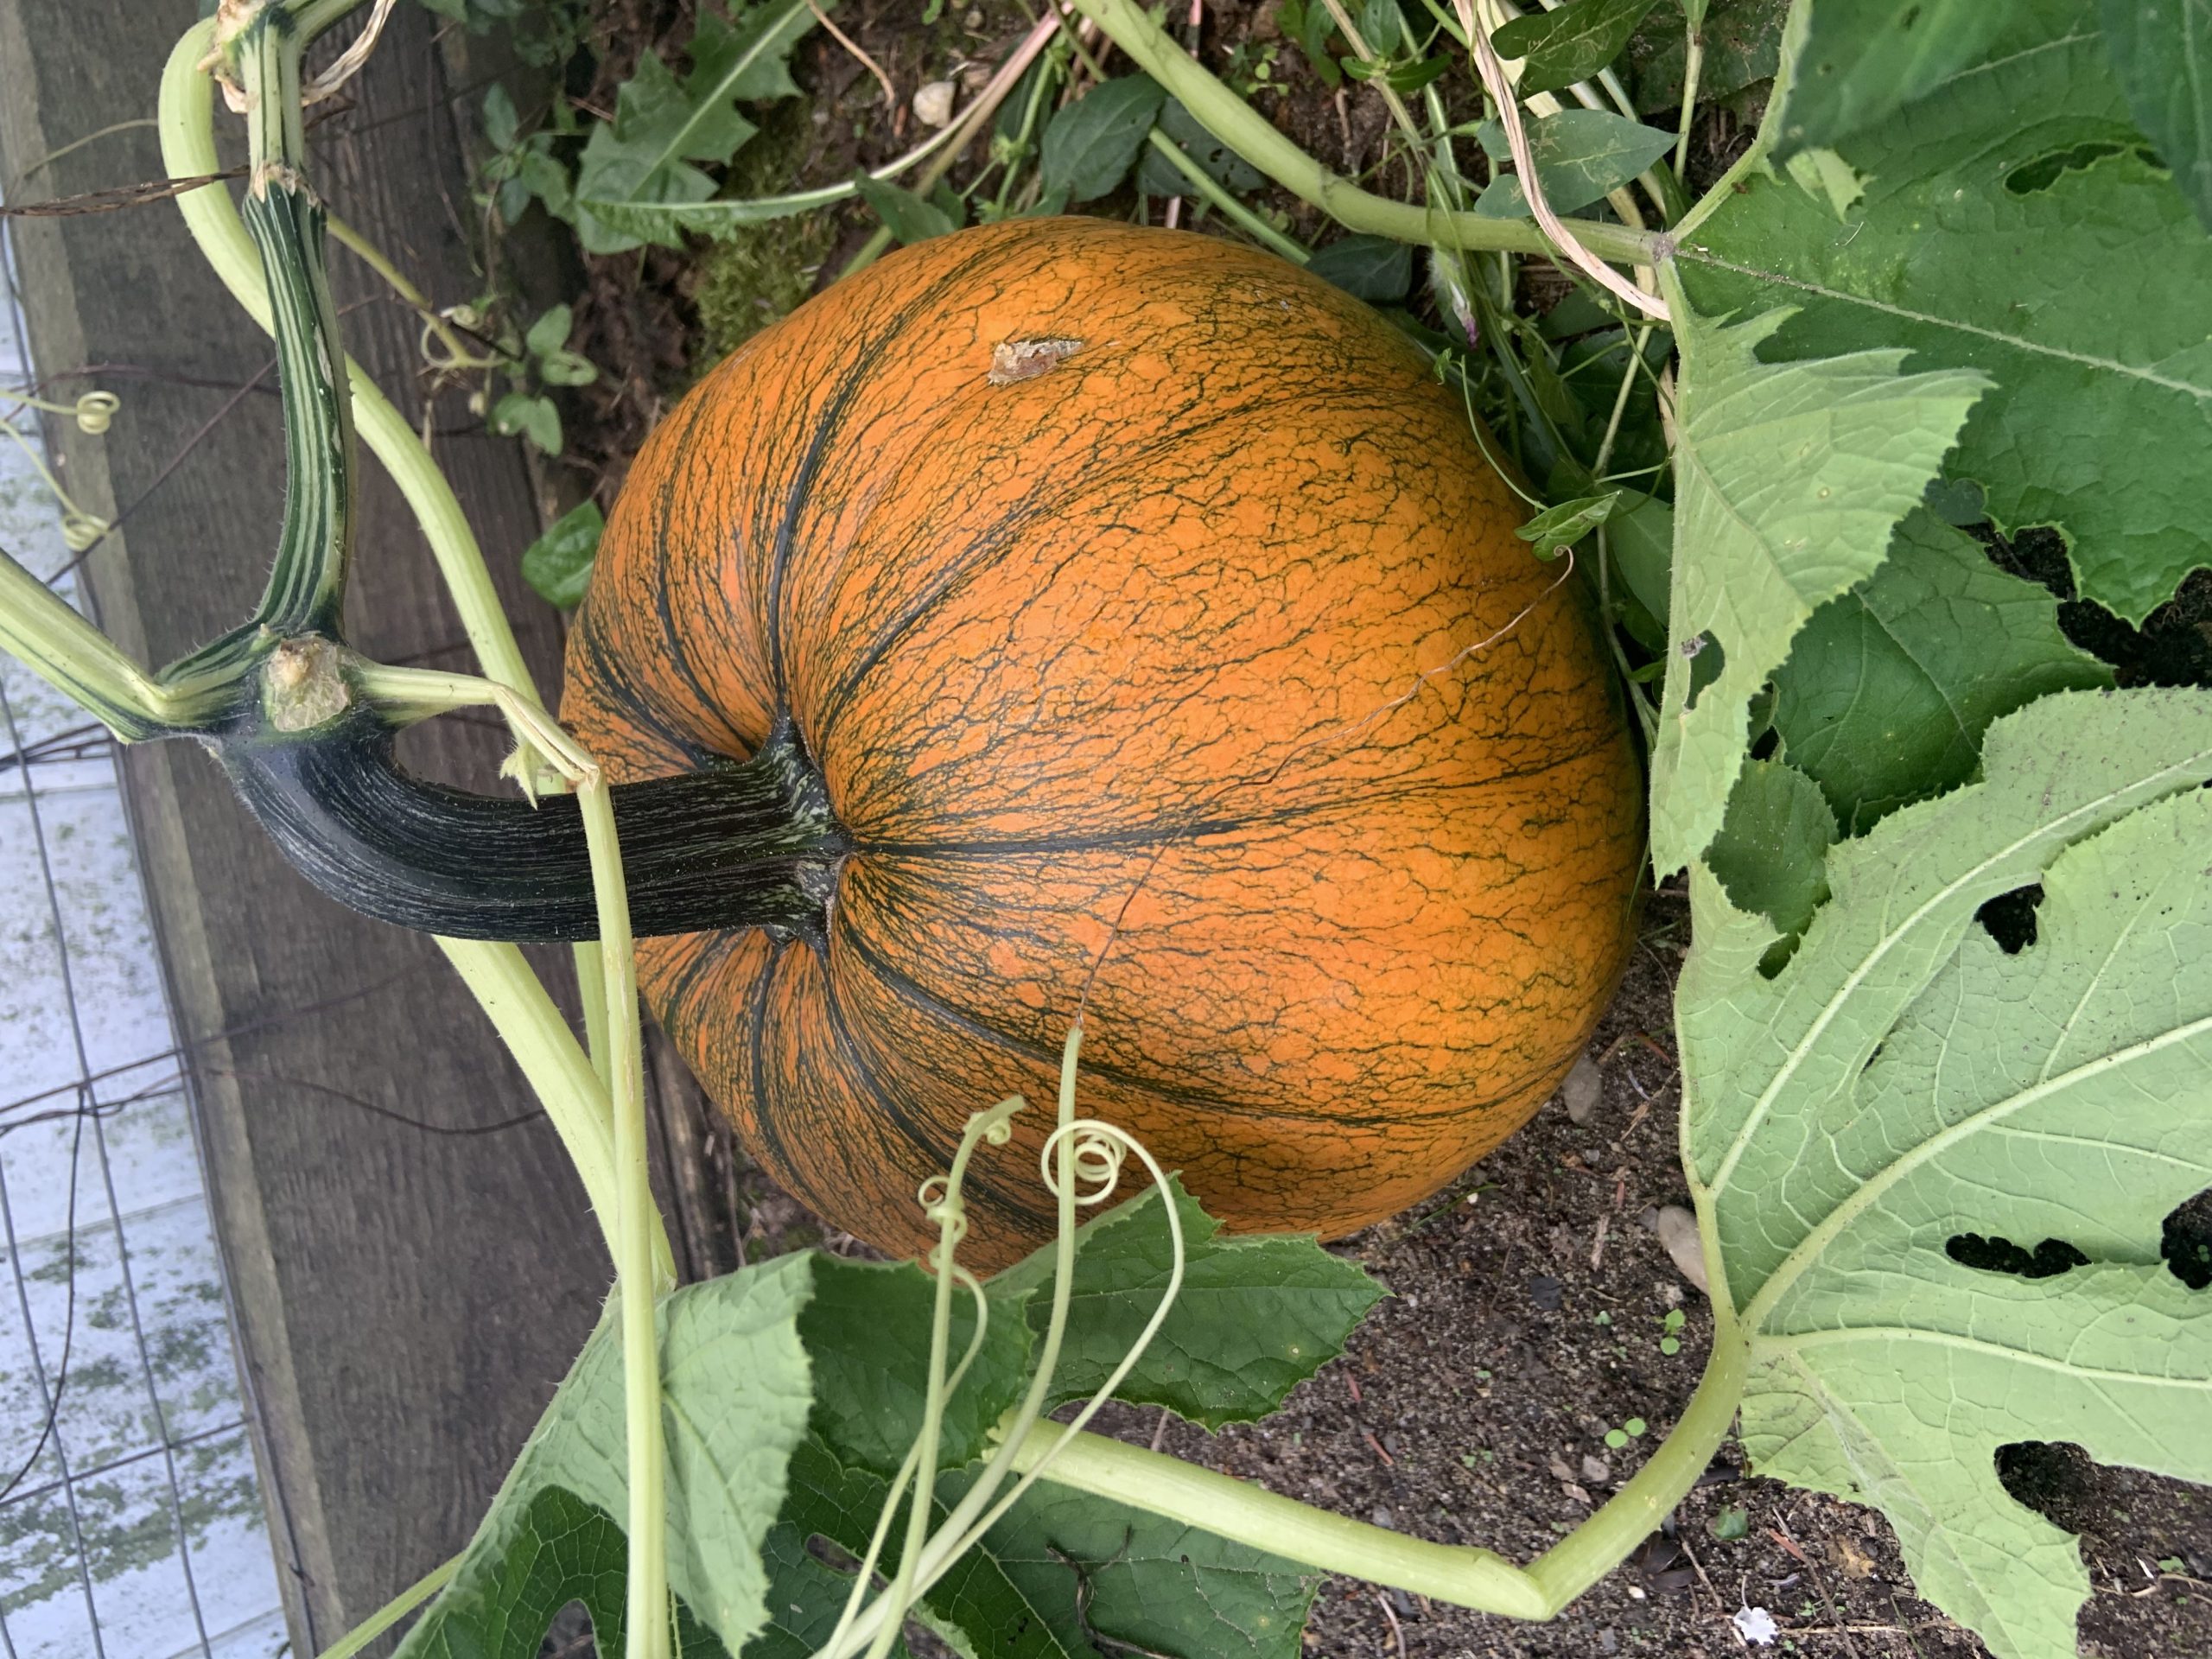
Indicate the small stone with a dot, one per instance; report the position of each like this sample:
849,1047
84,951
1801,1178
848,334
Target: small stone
1560,1472
1757,1626
1607,1641
1578,1494
1596,1471
933,103
1677,1231
1581,1089
1382,1517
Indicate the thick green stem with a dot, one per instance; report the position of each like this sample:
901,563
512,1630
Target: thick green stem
188,151
40,630
1465,1576
1244,129
1203,186
306,583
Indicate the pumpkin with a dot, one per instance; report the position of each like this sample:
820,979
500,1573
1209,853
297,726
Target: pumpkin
1152,626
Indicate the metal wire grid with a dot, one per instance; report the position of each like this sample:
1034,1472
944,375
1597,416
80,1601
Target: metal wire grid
131,1520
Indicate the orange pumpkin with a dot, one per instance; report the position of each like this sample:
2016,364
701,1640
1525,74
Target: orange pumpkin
1140,604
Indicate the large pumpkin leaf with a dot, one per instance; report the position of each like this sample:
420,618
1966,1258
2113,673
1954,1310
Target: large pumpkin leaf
1789,479
1257,1315
2012,221
2162,50
1063,1575
663,126
1859,61
1889,688
734,1380
867,1333
1903,1082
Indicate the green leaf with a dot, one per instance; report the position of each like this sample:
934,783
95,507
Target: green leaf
1256,1316
518,413
558,564
550,332
663,126
1790,480
905,215
1640,536
1061,1576
1863,60
501,123
867,1333
735,1395
1311,27
567,369
1156,176
1092,143
1771,851
1890,686
1146,1584
1579,155
1904,1082
1743,45
2162,50
1569,521
1571,44
1370,268
1988,241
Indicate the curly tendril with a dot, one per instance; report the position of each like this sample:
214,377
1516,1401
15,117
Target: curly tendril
1081,1164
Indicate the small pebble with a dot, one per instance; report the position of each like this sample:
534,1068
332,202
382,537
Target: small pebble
1596,1471
933,104
1383,1518
1581,1089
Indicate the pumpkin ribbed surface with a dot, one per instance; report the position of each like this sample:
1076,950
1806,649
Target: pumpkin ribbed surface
1216,626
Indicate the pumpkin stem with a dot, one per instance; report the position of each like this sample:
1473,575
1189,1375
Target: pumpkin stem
748,844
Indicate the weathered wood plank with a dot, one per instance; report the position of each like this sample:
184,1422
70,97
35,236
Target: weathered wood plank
406,1298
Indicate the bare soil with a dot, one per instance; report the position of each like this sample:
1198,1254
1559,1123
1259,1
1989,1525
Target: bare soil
1528,1300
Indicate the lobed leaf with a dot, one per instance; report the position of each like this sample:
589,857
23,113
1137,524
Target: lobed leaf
662,127
1789,479
1061,1576
735,1397
2162,50
866,1331
1770,856
2013,223
1889,688
1903,1082
1256,1316
1857,62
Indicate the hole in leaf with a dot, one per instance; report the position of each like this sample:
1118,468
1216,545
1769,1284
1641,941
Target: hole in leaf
1706,659
2047,1260
2046,170
570,1632
2010,918
2187,1246
2045,1475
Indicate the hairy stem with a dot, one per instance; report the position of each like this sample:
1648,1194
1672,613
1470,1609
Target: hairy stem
1465,1576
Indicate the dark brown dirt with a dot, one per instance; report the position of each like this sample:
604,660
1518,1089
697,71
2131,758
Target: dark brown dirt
1528,1298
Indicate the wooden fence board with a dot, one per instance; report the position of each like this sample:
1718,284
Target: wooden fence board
406,1299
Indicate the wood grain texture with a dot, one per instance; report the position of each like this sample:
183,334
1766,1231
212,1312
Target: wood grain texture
406,1300
1199,627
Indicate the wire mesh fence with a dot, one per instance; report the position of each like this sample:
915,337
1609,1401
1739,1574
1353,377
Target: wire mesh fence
132,1525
